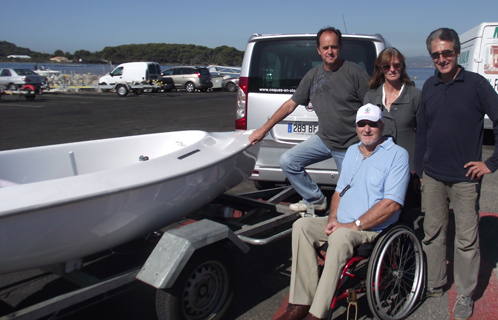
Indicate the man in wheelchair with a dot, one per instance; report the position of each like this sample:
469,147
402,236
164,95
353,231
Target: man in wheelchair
368,198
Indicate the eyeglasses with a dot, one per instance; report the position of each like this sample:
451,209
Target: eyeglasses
387,67
445,53
371,124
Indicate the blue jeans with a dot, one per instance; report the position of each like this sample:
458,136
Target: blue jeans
295,160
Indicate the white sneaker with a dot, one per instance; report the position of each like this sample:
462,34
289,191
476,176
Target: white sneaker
463,308
301,206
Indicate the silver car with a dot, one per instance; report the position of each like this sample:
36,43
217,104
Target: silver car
189,78
13,79
230,84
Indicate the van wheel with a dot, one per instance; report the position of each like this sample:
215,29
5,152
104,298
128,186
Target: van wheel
190,87
122,90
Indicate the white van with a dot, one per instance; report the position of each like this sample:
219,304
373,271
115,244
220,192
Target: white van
479,53
272,68
132,72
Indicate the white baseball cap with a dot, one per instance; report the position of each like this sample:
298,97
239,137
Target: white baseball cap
369,112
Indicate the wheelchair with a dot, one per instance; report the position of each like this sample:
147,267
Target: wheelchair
394,277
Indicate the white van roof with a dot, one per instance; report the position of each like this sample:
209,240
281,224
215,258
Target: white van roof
476,32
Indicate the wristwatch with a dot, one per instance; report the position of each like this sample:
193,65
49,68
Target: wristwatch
358,224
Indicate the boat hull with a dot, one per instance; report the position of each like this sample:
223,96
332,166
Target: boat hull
58,220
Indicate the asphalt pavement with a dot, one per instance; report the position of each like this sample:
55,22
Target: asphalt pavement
262,282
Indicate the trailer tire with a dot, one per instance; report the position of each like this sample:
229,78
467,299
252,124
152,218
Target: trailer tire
30,95
138,92
103,84
203,290
122,90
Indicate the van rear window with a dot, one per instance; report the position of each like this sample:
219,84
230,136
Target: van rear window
279,66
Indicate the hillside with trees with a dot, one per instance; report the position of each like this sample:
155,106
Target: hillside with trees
177,54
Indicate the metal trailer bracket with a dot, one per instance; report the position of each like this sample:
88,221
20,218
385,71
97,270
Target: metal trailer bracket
175,248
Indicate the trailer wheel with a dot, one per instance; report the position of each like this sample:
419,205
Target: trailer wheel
103,84
138,92
30,95
203,290
122,90
11,87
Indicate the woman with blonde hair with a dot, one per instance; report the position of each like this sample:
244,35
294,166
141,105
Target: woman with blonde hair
392,90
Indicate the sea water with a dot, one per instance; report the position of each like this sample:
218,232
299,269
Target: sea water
418,75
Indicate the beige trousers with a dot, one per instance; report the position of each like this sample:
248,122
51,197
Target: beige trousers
307,235
464,196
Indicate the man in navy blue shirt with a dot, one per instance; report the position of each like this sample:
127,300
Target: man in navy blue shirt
448,159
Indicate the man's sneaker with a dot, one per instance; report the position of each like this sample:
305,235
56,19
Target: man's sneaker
301,206
434,292
463,308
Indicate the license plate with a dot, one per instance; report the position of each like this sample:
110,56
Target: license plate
302,128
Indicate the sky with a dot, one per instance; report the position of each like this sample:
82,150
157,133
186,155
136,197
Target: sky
50,25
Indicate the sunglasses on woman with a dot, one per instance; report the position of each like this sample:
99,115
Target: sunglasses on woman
387,67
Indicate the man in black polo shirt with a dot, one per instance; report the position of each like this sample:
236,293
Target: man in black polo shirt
448,157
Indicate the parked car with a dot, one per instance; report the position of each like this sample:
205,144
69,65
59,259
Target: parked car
272,68
189,78
230,84
13,79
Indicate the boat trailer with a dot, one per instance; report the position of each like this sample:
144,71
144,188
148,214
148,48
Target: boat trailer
28,91
194,248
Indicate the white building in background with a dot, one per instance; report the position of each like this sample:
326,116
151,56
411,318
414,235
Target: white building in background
18,56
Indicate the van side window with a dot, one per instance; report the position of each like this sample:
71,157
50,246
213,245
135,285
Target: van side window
282,64
117,71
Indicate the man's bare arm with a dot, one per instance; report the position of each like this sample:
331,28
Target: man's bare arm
287,108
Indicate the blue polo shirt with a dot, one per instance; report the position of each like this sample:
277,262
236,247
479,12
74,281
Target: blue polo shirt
383,175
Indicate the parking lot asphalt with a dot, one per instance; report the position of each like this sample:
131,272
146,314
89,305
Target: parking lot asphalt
262,282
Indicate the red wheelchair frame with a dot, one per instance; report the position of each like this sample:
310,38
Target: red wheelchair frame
395,274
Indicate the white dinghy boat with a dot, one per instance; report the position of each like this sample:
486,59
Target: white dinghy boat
64,202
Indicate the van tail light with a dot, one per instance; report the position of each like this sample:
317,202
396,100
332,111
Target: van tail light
147,75
241,112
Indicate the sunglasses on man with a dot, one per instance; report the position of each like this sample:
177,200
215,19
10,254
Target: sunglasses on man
371,124
445,53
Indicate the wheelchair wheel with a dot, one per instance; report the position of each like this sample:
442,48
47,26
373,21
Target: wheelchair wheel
395,274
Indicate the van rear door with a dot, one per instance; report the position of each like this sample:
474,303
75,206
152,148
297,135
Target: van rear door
276,69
